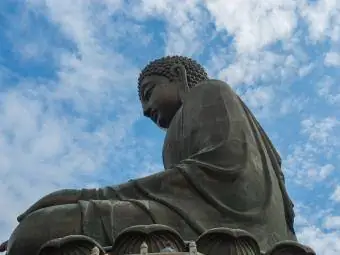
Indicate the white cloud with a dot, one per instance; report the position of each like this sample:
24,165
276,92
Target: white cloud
328,88
55,131
184,25
79,127
321,131
293,105
322,242
332,222
305,70
332,59
322,18
304,162
257,23
321,237
326,170
258,98
251,68
336,194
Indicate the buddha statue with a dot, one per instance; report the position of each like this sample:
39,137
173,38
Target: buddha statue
220,170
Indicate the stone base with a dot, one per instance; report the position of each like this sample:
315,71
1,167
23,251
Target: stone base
72,245
162,240
221,241
290,248
156,237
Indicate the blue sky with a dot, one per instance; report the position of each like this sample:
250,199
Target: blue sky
69,110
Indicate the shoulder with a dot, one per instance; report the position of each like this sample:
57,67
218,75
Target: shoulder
209,90
210,99
212,85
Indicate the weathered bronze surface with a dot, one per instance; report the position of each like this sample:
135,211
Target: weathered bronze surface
158,239
220,241
221,170
72,245
290,248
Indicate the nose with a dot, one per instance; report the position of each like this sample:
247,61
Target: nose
147,112
147,108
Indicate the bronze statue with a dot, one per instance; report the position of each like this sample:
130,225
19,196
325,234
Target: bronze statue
221,170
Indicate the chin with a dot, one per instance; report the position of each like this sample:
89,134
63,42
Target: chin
163,123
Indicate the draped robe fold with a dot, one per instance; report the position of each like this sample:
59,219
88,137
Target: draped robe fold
221,170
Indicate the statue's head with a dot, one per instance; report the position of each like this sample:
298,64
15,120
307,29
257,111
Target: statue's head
163,83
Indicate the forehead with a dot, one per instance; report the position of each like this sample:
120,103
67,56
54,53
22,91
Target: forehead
153,79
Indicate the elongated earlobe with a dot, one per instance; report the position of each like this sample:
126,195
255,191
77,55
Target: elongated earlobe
180,71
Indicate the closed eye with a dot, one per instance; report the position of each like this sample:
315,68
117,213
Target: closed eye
148,92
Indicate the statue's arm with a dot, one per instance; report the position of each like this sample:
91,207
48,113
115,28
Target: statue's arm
3,246
206,105
70,196
55,198
212,159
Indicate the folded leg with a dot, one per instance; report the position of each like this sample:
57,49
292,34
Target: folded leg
42,226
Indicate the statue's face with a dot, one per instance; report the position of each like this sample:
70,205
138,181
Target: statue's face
160,99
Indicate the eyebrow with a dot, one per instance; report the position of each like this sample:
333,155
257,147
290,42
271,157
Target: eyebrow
145,86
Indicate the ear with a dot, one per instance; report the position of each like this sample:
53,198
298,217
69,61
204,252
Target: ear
180,71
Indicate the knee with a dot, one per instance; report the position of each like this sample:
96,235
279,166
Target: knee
42,226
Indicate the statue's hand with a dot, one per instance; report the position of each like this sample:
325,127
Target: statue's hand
3,246
61,197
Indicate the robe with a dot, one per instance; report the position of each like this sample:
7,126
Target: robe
221,171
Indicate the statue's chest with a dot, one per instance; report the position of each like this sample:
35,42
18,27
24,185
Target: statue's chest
173,142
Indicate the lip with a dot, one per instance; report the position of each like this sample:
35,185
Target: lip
162,123
154,116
